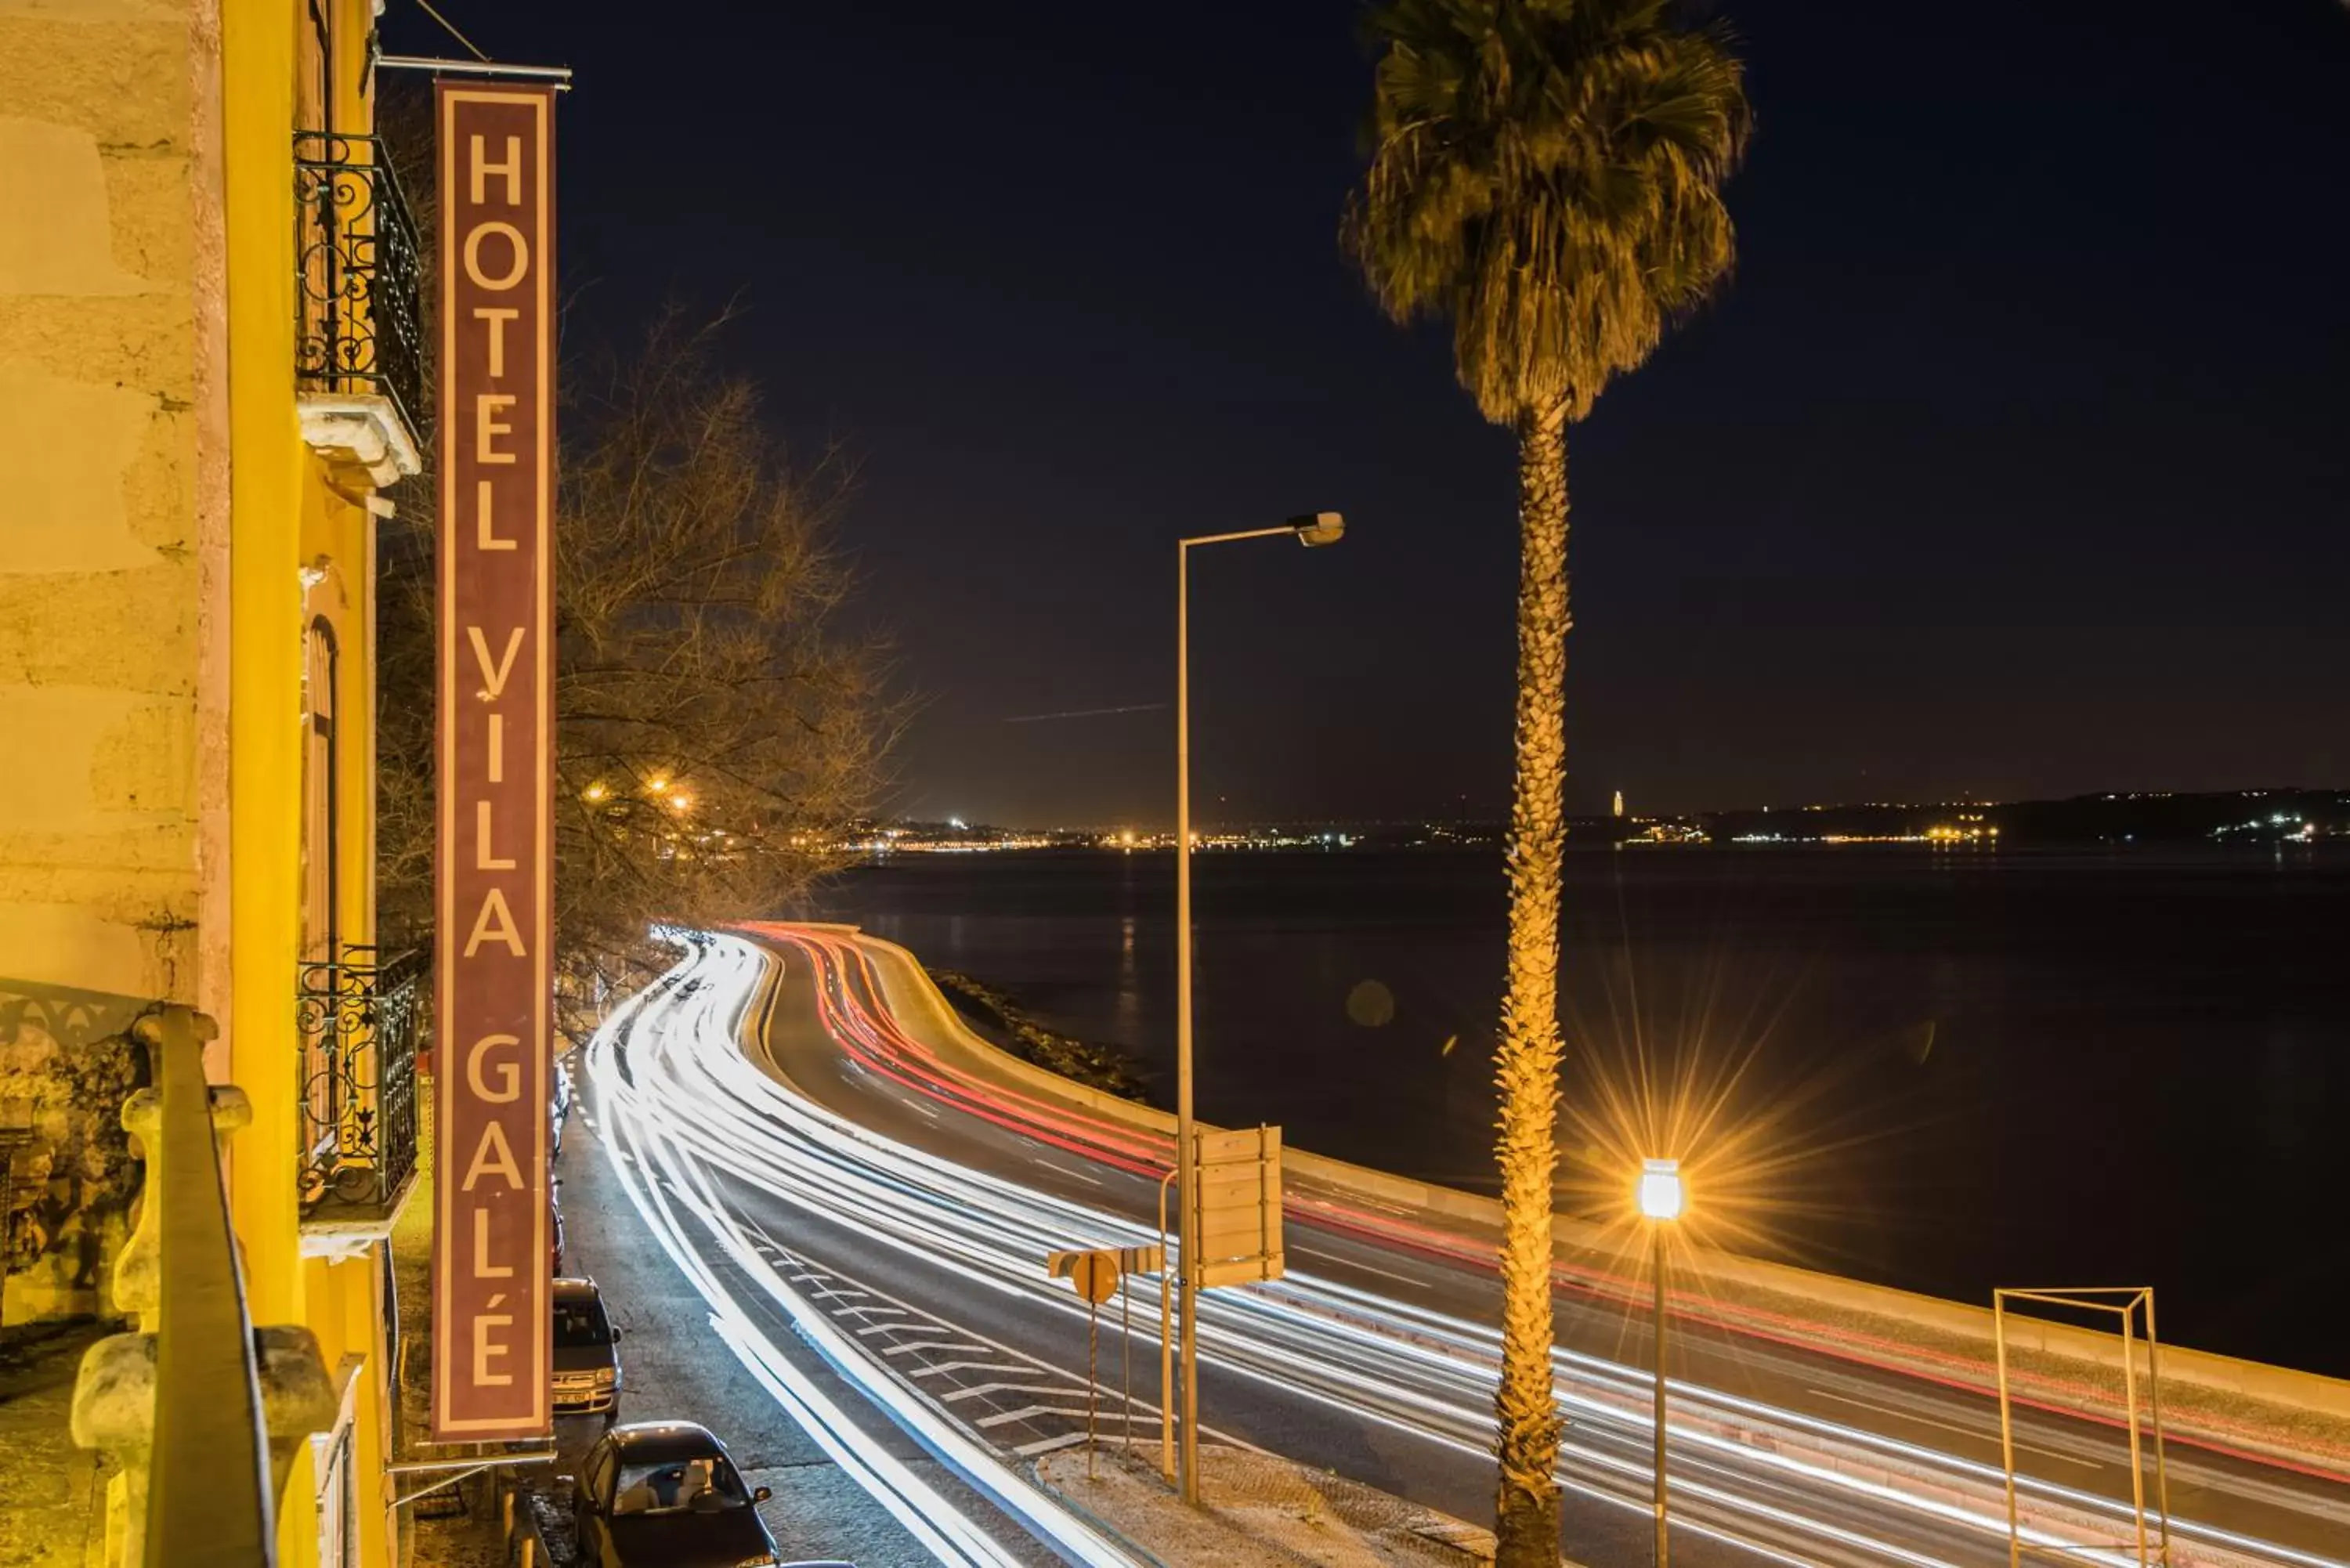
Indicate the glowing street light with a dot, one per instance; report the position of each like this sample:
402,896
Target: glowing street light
1660,1188
1661,1198
594,794
680,803
1311,529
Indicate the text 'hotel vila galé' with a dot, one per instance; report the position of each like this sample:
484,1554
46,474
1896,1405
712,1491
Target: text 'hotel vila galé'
494,1031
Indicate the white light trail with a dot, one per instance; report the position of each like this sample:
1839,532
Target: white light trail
948,1533
689,1103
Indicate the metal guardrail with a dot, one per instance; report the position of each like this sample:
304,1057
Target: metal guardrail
359,1024
358,275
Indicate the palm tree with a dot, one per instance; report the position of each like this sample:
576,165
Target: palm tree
1547,174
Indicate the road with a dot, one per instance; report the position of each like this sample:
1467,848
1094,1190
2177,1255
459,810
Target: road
823,1507
856,1154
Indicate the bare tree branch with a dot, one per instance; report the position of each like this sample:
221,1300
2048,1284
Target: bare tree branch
717,729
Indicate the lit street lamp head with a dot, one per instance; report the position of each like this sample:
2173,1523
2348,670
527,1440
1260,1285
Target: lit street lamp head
1660,1188
1319,528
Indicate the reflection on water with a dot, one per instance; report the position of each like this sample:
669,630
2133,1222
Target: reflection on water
1129,986
1939,1071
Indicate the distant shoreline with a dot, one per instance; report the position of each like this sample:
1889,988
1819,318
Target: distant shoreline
2294,815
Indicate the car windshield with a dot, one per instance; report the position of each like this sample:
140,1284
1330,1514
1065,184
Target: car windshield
581,1323
677,1486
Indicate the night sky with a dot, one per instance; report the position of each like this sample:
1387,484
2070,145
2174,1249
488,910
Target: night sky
2014,461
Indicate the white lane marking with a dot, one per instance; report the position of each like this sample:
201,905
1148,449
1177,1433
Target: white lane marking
1004,1417
949,1346
1080,1175
970,1367
922,1109
1949,1426
1365,1268
1046,1445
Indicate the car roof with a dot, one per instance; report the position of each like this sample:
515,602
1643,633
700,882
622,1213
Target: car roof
650,1442
577,1289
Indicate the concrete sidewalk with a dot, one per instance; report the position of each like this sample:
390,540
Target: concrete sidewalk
1259,1511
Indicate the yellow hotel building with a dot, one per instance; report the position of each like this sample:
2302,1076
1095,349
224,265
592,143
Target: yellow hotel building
208,375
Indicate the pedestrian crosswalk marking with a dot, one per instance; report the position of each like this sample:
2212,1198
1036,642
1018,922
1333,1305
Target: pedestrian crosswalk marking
1000,1417
978,1388
1056,1395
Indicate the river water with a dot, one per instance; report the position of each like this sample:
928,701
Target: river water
1944,1071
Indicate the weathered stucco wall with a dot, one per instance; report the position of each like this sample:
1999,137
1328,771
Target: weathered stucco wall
101,592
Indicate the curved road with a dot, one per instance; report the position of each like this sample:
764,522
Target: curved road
911,1176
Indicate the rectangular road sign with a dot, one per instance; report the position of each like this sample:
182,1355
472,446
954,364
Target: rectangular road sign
1237,1215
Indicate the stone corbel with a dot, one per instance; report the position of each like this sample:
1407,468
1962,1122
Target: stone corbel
362,431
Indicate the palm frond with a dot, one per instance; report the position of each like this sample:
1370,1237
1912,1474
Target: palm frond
1546,175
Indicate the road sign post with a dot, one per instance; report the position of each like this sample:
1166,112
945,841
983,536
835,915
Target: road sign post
1166,1340
1238,1192
1125,1371
1096,1271
1231,1236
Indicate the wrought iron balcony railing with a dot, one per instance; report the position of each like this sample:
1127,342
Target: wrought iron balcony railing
359,1022
358,275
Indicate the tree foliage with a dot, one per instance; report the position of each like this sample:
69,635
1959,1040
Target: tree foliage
717,727
1546,175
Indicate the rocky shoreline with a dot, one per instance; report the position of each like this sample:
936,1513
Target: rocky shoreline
996,1015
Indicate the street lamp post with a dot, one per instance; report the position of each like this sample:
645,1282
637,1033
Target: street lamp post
1314,529
1661,1198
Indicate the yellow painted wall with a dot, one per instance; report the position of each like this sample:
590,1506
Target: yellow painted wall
267,500
291,518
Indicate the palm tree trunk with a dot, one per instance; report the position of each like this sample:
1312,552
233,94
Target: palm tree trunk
1525,1067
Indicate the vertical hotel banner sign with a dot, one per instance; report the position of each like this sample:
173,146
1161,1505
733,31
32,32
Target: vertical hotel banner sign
493,1039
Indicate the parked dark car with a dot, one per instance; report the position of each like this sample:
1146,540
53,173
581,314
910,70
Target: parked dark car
664,1494
587,1352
